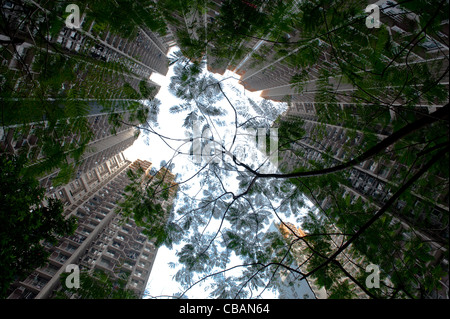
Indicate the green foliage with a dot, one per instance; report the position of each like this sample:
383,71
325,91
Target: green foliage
366,64
147,92
124,17
375,63
143,202
290,131
49,98
26,222
386,81
98,285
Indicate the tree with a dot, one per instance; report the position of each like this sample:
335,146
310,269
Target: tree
227,208
26,222
384,81
144,202
247,211
50,89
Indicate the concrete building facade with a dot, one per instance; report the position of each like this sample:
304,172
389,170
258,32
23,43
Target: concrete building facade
299,251
372,181
102,239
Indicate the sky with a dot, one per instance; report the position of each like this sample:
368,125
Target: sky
150,147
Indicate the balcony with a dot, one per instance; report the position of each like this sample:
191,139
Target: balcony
136,284
136,247
140,274
124,231
117,245
100,244
105,264
68,247
83,231
48,271
22,293
99,217
35,282
77,238
91,224
129,264
143,265
88,262
111,255
131,254
58,257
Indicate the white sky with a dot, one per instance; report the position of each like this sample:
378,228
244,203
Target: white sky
152,148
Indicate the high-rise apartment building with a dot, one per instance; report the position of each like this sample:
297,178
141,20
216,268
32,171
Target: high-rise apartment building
110,74
102,239
126,61
104,143
272,66
372,181
372,178
273,71
298,250
287,283
108,70
263,66
274,75
196,33
100,149
143,54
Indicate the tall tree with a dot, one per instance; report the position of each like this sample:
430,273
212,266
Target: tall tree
26,222
384,79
